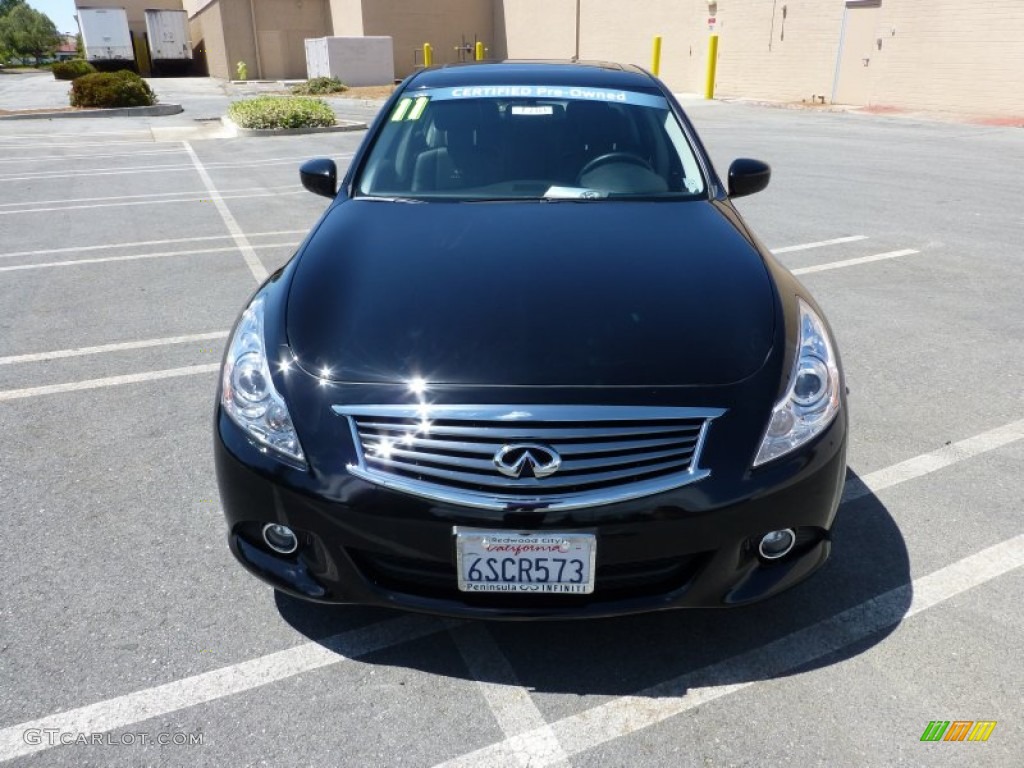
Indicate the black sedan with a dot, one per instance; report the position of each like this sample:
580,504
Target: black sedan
531,362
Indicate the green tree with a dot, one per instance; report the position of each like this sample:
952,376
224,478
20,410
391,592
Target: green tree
28,32
6,48
6,43
6,6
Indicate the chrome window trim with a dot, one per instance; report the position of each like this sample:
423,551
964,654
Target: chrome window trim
511,414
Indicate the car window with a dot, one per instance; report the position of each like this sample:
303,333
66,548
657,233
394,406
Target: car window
531,142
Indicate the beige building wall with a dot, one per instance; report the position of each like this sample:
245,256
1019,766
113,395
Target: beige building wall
933,54
347,18
605,33
536,29
918,54
951,56
781,51
616,31
225,28
442,23
207,32
281,27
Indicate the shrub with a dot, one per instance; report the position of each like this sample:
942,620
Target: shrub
111,89
281,112
319,85
69,70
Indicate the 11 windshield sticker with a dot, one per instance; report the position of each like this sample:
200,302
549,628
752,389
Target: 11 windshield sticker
411,108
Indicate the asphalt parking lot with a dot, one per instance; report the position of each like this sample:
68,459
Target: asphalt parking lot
129,636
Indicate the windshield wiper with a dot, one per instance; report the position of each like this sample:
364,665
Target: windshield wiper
382,199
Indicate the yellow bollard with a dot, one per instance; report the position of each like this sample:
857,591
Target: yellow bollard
656,56
479,51
709,86
428,55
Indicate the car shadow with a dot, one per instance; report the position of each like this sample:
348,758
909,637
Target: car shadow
857,598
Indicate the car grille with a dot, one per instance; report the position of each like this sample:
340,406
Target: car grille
600,455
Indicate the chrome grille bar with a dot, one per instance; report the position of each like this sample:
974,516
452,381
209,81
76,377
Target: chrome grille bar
451,453
569,449
532,484
576,433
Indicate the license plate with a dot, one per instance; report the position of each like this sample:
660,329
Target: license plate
542,562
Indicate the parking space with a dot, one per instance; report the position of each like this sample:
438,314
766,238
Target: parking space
123,263
65,193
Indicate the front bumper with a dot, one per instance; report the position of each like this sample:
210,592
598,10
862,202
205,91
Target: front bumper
682,548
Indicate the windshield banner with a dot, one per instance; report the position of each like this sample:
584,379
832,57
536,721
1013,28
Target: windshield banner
571,92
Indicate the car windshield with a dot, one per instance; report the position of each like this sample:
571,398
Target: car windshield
531,142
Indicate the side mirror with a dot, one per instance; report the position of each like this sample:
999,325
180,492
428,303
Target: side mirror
748,176
320,176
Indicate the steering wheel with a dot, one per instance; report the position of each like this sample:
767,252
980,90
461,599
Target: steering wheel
613,157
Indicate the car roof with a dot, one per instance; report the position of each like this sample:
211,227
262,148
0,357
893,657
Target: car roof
582,73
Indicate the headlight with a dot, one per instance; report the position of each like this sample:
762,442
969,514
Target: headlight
812,400
248,395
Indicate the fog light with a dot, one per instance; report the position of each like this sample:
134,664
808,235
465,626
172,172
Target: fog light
776,544
280,538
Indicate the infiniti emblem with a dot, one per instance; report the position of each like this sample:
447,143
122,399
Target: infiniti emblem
512,459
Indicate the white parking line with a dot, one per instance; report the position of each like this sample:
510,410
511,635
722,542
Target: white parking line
819,244
854,262
192,198
108,381
926,463
171,697
139,243
575,733
19,145
70,174
149,195
251,259
90,172
510,703
139,257
629,714
60,158
141,131
59,354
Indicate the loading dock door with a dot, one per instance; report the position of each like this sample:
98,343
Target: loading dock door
857,51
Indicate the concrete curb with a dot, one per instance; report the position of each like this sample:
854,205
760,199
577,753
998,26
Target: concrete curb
343,126
157,110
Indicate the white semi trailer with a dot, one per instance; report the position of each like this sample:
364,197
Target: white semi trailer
106,36
169,47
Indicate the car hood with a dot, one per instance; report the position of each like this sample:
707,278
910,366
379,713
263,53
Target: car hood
530,294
